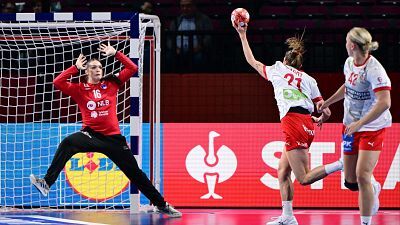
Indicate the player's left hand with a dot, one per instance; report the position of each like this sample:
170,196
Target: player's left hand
353,127
107,50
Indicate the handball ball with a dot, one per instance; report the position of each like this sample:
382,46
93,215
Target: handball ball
240,17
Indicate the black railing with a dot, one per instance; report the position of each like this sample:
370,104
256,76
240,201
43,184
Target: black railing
325,50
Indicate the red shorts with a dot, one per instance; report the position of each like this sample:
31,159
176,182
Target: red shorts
298,130
364,140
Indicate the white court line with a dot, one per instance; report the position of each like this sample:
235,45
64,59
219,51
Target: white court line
341,212
56,219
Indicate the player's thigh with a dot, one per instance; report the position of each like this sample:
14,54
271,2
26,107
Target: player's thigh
350,165
298,160
366,163
82,142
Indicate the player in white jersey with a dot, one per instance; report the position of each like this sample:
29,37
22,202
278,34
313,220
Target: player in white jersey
366,94
295,94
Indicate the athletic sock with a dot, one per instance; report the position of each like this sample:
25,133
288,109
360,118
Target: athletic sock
287,208
333,167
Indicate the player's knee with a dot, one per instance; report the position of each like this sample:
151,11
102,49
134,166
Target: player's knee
283,172
305,182
351,186
364,179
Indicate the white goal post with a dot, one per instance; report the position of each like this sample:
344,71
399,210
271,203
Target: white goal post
35,117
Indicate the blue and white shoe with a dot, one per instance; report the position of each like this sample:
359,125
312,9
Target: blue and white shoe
40,185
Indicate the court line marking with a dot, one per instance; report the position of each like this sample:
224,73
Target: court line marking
56,219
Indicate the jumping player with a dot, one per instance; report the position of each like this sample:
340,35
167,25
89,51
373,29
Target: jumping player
366,94
100,131
295,93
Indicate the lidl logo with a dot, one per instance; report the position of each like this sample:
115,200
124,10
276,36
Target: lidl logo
95,176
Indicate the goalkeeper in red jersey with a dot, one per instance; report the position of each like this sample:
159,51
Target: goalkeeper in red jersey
100,132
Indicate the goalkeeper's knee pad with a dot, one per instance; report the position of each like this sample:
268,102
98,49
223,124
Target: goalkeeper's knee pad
351,186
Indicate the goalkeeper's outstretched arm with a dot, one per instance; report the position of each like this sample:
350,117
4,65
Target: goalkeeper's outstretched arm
61,82
129,67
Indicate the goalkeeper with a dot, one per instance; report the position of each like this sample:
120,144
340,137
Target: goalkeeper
96,98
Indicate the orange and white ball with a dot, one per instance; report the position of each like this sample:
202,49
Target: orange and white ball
240,17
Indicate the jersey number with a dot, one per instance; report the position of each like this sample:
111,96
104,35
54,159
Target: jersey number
96,93
291,78
353,78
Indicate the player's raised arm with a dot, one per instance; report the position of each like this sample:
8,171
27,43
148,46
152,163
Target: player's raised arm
129,67
247,50
61,81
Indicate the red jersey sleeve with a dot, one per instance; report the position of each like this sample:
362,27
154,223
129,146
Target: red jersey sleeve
61,82
129,67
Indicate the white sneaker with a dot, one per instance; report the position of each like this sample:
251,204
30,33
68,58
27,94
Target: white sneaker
169,210
377,189
284,220
341,164
40,185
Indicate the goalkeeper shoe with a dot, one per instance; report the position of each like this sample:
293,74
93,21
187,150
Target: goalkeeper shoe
169,210
40,185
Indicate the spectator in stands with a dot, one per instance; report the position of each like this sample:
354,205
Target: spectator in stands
8,7
191,49
55,6
37,6
146,7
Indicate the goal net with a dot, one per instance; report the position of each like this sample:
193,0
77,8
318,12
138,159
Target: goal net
35,116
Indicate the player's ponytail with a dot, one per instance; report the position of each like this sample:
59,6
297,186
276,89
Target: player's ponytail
294,57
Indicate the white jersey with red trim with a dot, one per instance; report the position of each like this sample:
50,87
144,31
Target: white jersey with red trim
292,87
362,81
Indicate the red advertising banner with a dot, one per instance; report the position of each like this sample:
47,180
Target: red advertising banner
235,165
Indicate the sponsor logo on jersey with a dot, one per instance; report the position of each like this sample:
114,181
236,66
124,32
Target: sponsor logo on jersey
93,114
358,95
95,176
91,105
293,94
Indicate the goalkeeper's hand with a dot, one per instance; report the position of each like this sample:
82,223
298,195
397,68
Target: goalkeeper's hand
107,50
81,62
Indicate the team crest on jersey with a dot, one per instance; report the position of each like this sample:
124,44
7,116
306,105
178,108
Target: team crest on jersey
95,176
103,86
91,105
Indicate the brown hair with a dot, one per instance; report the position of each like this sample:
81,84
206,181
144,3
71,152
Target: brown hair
294,57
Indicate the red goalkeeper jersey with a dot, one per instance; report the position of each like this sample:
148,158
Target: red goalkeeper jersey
97,102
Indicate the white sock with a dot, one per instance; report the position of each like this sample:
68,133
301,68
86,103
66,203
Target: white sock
366,220
287,208
333,167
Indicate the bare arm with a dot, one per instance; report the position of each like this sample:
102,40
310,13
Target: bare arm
383,103
339,95
247,51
